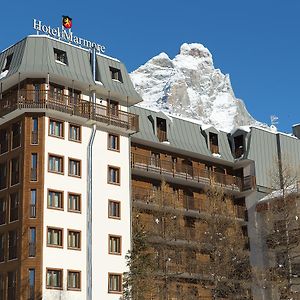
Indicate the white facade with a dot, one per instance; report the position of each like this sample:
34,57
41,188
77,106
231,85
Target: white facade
63,258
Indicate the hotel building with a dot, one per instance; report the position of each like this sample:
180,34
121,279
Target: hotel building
78,160
65,171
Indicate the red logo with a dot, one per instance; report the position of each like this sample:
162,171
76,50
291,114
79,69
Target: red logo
67,22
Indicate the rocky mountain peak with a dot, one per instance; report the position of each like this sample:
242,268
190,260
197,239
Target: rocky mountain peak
190,86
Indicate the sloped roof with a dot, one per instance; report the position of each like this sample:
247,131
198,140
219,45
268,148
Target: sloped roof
181,134
33,57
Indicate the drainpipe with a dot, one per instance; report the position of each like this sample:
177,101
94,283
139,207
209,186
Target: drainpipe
89,258
89,214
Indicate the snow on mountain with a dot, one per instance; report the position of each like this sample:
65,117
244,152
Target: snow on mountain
190,86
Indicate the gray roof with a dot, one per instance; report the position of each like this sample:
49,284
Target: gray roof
181,134
262,147
33,57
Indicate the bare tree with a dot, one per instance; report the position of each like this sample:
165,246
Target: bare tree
229,267
177,255
280,217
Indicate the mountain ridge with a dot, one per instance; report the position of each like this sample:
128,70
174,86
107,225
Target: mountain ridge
190,86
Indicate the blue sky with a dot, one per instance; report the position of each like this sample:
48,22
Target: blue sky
256,42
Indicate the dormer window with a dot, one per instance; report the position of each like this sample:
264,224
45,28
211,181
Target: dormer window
238,146
7,62
161,129
60,56
115,74
213,142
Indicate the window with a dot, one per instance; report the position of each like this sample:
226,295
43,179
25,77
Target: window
113,142
74,96
11,285
2,211
112,108
2,286
34,131
32,208
238,146
56,93
74,280
60,56
7,63
15,171
3,141
12,244
56,164
2,247
56,128
114,209
55,199
116,74
74,133
113,175
74,167
213,142
14,207
33,174
74,202
114,283
74,239
31,281
32,242
115,244
54,279
16,135
54,237
3,176
161,129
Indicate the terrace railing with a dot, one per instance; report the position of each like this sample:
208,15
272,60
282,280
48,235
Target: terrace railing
190,173
47,99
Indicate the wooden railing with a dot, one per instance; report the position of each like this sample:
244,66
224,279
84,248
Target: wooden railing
46,99
167,199
156,165
178,201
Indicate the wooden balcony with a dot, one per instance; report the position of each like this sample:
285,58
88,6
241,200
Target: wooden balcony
190,173
46,99
167,199
155,200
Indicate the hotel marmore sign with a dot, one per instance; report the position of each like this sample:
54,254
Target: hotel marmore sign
66,35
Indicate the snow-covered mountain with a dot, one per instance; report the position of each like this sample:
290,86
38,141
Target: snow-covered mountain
190,86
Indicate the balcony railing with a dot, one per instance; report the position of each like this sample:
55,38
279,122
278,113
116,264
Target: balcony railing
177,201
167,199
46,99
190,173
